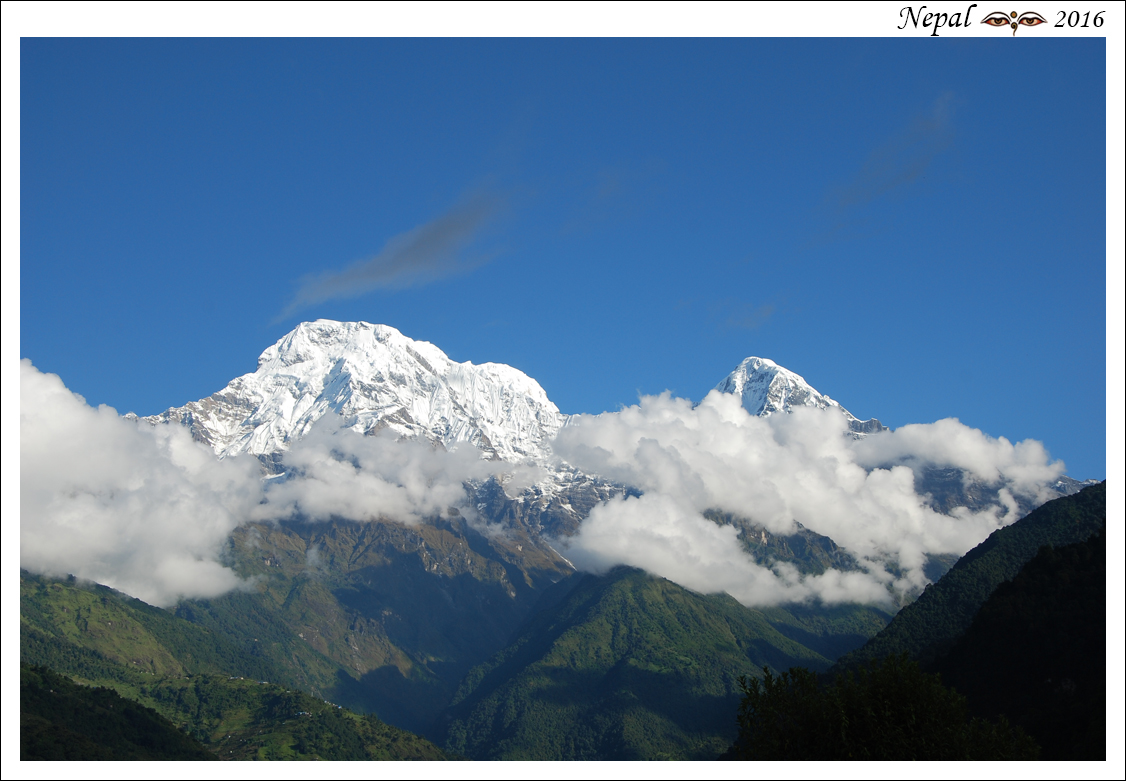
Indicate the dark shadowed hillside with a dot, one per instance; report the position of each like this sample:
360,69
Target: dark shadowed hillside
193,676
1036,652
928,627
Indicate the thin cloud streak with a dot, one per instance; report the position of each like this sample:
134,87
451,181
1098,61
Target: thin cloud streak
900,160
741,314
419,256
903,158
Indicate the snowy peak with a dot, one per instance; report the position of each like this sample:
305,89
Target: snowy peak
375,378
767,388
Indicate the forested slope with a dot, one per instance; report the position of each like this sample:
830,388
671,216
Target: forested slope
1036,652
192,676
61,720
628,666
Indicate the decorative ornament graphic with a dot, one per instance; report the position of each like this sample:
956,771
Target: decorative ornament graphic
1001,19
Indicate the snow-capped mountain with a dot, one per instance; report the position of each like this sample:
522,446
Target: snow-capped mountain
766,388
375,378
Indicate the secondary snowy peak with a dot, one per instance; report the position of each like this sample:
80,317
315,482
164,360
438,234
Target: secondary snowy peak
375,378
766,388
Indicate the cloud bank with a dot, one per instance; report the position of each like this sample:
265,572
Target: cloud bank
148,511
336,473
427,253
144,510
774,471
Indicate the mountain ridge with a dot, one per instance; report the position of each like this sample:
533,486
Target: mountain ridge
377,380
392,617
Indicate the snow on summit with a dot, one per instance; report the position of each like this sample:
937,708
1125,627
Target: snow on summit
766,388
375,378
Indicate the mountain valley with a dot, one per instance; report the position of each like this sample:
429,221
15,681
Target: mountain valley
475,618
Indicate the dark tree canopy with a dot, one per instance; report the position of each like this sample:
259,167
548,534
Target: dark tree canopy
886,711
1036,652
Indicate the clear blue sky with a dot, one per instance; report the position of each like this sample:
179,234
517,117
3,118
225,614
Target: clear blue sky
915,225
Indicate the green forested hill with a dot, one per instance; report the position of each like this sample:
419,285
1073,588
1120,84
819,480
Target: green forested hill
389,619
61,720
198,717
929,626
1030,671
238,718
180,670
626,666
1036,652
890,711
100,634
380,617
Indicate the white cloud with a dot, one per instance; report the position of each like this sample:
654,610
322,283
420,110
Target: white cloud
774,471
337,473
658,533
148,511
144,510
948,443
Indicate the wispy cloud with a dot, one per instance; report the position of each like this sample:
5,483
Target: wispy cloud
427,253
613,195
733,313
144,510
901,159
338,473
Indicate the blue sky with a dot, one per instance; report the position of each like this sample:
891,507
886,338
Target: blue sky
915,225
